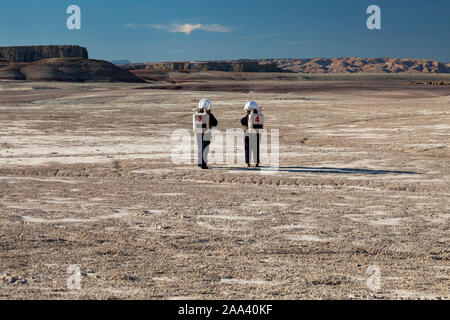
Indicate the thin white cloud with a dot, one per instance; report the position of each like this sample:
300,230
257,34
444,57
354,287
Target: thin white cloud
262,36
188,28
131,26
185,28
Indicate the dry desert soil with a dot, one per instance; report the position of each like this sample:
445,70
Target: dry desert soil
87,179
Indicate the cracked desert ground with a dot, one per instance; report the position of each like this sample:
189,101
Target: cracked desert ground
86,179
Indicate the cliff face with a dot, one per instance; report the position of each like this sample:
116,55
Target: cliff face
3,62
34,53
234,66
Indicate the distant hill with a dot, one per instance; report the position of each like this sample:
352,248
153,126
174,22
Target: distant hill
67,69
354,65
125,61
315,65
226,65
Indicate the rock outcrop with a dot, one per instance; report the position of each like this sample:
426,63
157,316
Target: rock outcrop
3,62
35,53
67,69
230,66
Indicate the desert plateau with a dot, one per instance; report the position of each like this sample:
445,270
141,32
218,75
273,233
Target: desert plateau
87,179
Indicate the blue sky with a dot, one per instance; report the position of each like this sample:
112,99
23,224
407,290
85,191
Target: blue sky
154,30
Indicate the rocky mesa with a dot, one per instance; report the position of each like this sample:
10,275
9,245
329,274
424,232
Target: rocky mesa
58,63
67,69
227,65
35,53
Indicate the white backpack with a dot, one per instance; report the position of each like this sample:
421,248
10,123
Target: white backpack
201,122
255,122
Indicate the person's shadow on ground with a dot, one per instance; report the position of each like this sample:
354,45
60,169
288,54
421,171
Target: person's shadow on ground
318,170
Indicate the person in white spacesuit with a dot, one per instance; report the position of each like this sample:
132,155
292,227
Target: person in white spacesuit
203,122
253,123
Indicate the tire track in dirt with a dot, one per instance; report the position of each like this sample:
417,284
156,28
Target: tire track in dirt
338,183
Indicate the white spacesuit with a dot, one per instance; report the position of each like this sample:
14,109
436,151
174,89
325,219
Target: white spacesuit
254,124
203,120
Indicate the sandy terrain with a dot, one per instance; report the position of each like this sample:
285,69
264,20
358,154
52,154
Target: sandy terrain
86,179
